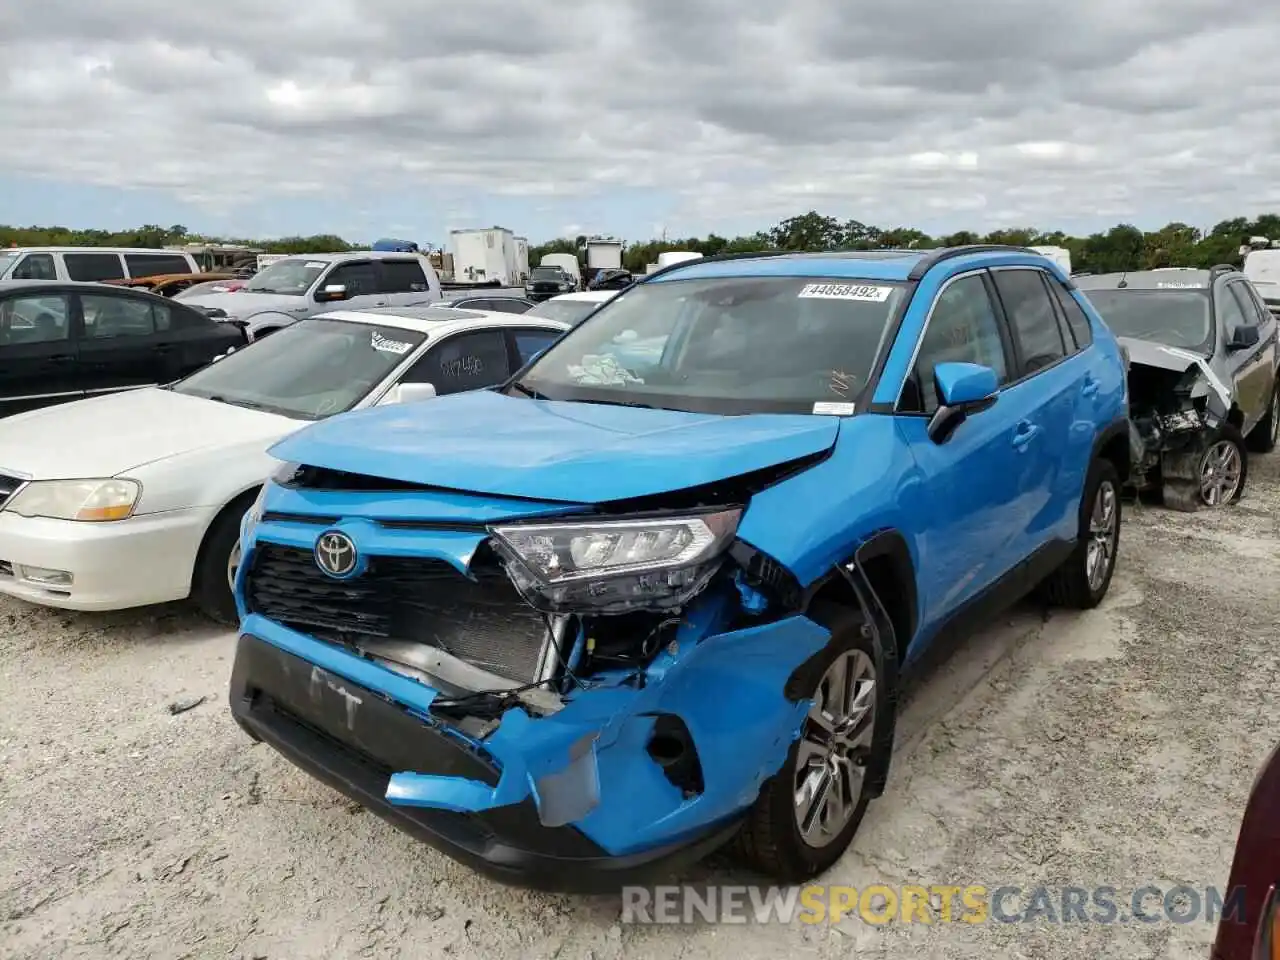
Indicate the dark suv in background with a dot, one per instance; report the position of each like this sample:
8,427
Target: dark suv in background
1202,376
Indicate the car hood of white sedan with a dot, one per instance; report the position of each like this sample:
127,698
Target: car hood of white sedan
109,435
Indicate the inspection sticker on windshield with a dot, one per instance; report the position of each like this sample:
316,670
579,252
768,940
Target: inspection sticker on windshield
846,291
832,409
390,346
1180,285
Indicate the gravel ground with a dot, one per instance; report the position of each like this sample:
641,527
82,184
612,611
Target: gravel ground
1112,748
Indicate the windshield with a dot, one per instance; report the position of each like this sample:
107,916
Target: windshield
1175,318
7,260
292,277
567,311
308,370
546,273
725,345
202,289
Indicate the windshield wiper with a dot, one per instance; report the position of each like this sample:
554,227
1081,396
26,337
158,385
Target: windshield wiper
621,403
247,404
528,391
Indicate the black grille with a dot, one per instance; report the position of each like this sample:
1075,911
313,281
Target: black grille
482,621
7,486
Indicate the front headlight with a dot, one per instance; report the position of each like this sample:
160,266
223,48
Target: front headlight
87,500
611,566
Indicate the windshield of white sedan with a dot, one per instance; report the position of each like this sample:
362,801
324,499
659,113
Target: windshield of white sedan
1175,318
7,260
310,369
566,311
292,277
725,345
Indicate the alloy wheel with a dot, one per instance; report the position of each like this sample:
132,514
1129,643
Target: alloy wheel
1103,534
831,759
233,566
1221,469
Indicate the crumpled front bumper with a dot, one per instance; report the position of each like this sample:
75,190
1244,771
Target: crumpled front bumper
573,800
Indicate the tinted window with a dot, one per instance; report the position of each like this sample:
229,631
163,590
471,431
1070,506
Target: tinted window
1076,318
34,319
106,317
1247,305
154,264
403,276
36,266
1031,317
505,305
94,266
963,328
360,279
1231,313
531,342
467,361
181,318
292,277
1176,318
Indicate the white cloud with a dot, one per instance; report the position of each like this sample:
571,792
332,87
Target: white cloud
985,114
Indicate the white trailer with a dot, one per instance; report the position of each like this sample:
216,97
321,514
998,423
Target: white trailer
1059,255
522,258
604,253
481,256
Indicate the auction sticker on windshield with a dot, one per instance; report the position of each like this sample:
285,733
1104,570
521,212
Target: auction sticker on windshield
846,291
379,342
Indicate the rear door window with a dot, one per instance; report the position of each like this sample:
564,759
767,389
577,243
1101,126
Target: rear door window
91,267
1032,318
108,317
402,276
155,264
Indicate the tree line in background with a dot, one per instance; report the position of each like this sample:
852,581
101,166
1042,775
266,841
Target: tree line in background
1123,247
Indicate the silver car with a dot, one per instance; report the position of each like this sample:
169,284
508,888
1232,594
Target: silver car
301,286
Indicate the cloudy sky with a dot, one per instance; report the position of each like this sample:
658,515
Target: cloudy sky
633,116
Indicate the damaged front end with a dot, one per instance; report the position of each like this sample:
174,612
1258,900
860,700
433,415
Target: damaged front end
1176,403
533,687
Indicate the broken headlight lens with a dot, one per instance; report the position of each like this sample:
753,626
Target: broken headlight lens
612,566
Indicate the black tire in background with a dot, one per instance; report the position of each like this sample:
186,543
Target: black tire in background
1263,437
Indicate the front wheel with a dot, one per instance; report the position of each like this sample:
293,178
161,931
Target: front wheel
213,584
1085,576
808,812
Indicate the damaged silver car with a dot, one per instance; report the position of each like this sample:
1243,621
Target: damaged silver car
1202,354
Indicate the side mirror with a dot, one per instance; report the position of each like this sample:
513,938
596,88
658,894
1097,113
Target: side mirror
331,293
963,390
408,393
1244,336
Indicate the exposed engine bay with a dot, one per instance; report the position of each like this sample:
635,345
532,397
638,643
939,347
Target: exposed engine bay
1176,402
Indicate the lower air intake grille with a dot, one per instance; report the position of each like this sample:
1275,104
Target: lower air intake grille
482,621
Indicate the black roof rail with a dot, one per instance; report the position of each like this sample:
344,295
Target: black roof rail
935,256
717,258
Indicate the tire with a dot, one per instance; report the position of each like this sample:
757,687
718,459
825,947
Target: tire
1078,584
210,586
771,840
1264,437
1226,435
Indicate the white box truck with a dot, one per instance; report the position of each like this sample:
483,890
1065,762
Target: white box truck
604,253
522,258
1059,255
483,256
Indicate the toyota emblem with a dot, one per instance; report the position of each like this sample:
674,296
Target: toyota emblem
336,554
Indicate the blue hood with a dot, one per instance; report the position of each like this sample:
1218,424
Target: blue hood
485,442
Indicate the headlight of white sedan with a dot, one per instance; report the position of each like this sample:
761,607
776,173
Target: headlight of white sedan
611,566
91,501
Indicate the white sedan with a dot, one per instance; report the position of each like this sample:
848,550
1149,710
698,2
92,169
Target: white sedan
136,498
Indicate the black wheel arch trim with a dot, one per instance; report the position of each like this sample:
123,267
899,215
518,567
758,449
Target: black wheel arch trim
1116,429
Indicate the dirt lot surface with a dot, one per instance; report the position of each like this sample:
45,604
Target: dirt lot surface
1109,749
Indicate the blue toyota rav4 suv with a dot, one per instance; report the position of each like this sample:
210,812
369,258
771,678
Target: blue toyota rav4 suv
656,592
